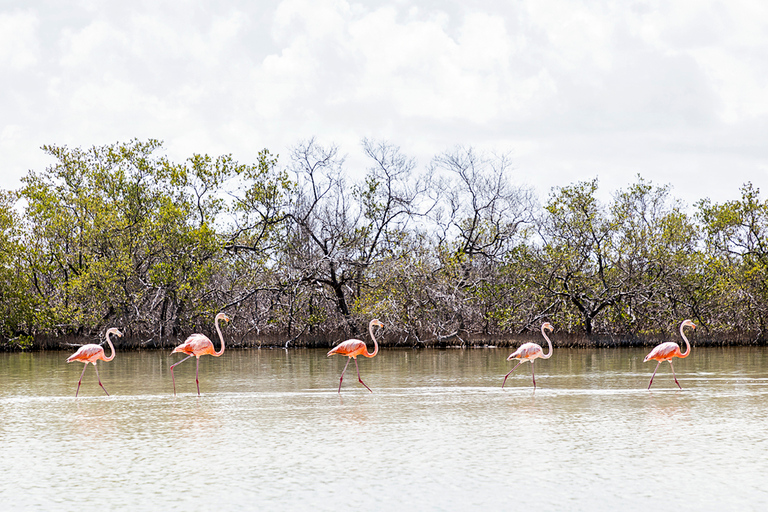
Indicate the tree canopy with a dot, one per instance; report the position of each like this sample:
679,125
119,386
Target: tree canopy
307,249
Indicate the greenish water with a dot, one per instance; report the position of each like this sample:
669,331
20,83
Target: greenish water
270,432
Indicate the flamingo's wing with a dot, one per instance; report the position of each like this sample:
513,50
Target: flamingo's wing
662,352
86,353
348,348
194,344
525,351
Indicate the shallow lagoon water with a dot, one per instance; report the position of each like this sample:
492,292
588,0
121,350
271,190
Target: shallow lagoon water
270,432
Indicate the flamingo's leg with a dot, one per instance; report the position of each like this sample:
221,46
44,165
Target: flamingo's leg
342,373
510,371
673,374
533,376
99,378
174,378
654,374
197,371
358,377
81,380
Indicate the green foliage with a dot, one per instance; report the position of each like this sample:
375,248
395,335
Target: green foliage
16,307
617,268
119,235
22,342
736,237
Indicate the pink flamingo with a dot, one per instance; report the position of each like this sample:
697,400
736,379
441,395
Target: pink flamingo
666,351
529,352
353,348
90,354
199,345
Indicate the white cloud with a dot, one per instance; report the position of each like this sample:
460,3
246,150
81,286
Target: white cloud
727,42
575,36
89,46
313,19
410,63
571,88
18,40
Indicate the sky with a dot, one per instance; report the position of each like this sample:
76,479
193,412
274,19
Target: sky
674,91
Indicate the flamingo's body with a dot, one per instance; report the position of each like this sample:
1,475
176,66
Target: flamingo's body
530,352
90,354
666,351
353,348
199,345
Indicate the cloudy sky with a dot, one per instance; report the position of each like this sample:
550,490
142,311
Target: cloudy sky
676,91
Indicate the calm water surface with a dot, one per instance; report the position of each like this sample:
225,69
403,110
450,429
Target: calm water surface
270,432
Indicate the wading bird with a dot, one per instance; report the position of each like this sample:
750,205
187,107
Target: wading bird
198,345
90,354
353,348
666,351
529,352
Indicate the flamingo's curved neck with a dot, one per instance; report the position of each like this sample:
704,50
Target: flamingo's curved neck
687,345
544,333
221,338
109,342
375,343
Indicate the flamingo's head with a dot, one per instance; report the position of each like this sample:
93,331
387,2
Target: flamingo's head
115,331
688,323
376,322
222,316
547,326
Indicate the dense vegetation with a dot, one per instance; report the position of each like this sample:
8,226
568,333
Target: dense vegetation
297,252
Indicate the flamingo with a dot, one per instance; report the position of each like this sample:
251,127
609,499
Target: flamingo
666,351
90,354
353,348
198,345
529,352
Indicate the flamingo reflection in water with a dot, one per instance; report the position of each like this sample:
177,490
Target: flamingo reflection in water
530,352
353,348
666,351
90,354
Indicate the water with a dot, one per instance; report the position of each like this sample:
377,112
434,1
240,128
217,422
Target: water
270,432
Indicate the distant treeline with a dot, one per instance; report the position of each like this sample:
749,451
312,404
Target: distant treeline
299,253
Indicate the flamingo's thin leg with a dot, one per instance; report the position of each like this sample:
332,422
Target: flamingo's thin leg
99,379
342,372
197,371
654,374
81,380
510,371
673,374
533,376
172,377
358,377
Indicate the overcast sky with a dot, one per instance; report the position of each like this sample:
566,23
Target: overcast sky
676,91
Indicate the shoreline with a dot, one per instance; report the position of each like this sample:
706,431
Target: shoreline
454,342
